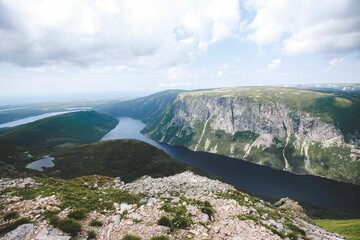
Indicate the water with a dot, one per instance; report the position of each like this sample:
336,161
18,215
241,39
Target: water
251,177
46,162
33,119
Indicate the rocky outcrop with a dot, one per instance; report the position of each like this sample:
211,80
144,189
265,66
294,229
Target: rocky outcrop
214,210
253,125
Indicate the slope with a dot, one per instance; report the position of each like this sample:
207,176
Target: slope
128,159
77,127
144,108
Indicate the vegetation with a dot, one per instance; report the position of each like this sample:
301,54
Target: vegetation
77,214
160,237
127,159
349,228
74,128
13,225
145,108
77,195
69,225
95,223
91,235
181,217
11,215
131,237
165,221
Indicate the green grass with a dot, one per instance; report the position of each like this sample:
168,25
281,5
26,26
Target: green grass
348,228
127,159
73,193
76,128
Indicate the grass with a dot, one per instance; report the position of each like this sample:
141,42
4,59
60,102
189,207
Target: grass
95,223
11,215
131,237
349,228
75,194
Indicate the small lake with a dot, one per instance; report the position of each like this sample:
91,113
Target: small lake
34,118
251,177
46,162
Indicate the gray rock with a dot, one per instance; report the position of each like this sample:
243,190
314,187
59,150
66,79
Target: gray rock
19,233
116,218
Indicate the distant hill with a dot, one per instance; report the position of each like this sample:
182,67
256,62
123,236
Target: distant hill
75,128
144,108
128,159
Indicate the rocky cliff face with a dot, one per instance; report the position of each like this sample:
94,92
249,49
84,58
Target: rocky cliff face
190,206
267,126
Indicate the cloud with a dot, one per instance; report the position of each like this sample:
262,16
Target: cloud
176,84
306,27
109,32
334,63
274,65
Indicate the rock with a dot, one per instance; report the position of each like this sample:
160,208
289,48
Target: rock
50,234
279,226
116,218
151,201
238,237
176,200
125,207
135,216
19,233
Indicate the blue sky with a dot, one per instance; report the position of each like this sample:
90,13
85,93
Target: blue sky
53,48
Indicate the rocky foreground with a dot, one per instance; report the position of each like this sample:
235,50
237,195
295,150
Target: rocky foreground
182,206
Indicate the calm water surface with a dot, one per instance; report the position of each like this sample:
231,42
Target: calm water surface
46,162
34,118
251,177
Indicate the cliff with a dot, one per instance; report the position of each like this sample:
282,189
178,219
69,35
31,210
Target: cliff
300,131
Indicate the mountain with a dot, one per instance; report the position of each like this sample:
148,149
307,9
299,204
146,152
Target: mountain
181,206
301,131
128,159
144,108
71,128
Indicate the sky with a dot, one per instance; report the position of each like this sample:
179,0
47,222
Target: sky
106,47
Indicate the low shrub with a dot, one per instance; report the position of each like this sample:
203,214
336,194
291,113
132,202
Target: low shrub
95,223
10,215
77,214
70,226
131,237
91,235
165,221
181,222
160,237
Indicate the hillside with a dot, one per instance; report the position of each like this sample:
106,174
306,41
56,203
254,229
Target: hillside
182,206
128,159
144,108
301,131
75,128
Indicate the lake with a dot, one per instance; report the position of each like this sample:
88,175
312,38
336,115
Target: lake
38,165
251,177
34,118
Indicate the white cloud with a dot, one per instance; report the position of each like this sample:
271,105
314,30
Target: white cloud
110,32
333,64
274,65
306,27
221,70
176,84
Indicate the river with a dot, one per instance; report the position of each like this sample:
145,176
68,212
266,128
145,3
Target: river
251,177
